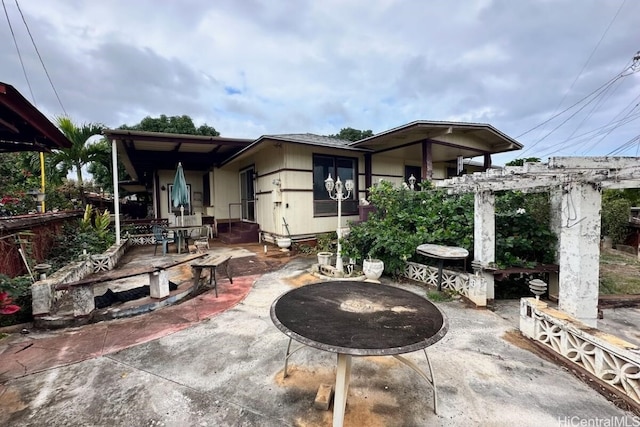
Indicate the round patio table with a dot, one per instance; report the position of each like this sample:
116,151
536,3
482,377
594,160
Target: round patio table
359,319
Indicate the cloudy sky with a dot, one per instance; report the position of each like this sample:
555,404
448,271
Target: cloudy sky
254,67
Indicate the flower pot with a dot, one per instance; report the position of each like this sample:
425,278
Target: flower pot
324,258
372,268
283,242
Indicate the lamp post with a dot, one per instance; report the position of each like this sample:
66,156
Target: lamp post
339,196
412,181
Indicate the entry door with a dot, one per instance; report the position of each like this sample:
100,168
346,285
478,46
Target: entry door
248,195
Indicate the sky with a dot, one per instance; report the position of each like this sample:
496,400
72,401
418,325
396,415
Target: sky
251,67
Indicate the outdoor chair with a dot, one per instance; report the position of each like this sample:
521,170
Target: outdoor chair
161,238
202,240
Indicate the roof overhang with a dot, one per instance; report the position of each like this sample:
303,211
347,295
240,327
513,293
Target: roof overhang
23,127
143,153
449,140
303,139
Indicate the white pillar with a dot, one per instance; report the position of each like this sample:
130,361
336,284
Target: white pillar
555,221
116,193
484,235
579,253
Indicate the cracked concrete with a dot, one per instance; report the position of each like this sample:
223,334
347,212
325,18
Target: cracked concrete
227,370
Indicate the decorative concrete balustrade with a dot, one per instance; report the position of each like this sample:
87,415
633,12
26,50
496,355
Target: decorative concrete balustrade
608,358
453,281
47,299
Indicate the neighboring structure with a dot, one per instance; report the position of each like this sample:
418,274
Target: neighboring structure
23,127
279,178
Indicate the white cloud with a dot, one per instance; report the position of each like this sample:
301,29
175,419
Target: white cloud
253,67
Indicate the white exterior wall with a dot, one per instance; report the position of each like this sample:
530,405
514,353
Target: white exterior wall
292,164
165,177
226,189
391,169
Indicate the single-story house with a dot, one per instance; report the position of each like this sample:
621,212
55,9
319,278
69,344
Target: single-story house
280,179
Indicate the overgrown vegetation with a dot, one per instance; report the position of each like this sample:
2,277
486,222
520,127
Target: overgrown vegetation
616,207
404,219
89,234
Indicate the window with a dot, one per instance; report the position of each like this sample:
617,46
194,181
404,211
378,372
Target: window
342,167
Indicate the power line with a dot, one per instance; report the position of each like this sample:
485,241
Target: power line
584,66
40,58
15,42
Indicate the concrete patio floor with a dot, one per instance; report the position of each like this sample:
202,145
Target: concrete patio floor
218,362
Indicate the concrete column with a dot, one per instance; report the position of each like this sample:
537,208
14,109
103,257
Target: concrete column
555,221
484,235
159,284
579,253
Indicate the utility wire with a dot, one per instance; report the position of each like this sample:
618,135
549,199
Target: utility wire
15,42
584,66
40,57
554,115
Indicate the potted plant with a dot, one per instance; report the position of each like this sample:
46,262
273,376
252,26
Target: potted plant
372,268
324,245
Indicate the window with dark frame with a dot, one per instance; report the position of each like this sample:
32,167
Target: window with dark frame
343,167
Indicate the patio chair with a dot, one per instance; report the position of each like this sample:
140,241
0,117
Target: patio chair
202,240
161,238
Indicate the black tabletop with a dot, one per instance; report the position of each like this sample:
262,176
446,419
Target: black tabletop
358,318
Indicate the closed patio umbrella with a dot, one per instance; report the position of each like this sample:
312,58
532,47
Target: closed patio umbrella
180,193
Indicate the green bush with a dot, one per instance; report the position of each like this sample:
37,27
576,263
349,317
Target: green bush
405,219
615,215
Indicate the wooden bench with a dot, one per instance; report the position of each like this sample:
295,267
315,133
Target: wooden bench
212,262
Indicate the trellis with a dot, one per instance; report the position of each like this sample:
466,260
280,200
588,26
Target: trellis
575,185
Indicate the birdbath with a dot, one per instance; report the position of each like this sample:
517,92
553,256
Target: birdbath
42,270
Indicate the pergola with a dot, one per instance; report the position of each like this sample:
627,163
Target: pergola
575,185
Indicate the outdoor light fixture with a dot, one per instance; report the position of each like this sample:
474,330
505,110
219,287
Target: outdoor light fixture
337,188
412,181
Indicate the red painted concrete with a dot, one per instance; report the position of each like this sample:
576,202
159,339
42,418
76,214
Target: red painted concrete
38,352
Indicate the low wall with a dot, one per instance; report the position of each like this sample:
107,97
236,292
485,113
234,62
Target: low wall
48,301
607,358
454,281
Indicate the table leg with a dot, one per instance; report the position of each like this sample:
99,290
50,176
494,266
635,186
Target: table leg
440,265
343,375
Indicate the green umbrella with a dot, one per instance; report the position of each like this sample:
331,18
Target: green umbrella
180,193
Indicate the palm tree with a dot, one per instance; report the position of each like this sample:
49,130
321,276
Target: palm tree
80,152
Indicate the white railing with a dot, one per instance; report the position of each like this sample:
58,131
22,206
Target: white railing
608,358
453,281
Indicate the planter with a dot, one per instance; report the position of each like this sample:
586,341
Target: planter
324,258
283,242
372,268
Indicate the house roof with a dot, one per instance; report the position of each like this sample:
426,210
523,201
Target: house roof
144,152
23,127
301,138
450,140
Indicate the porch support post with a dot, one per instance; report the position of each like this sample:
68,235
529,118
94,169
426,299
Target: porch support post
116,193
427,161
367,173
580,251
484,238
487,161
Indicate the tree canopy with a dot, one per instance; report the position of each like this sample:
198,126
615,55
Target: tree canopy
81,152
351,134
172,124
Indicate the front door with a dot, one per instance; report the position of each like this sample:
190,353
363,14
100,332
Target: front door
247,195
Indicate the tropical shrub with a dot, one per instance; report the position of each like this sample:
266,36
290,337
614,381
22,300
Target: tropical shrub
616,208
405,219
